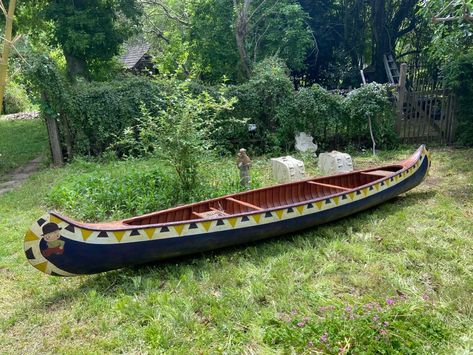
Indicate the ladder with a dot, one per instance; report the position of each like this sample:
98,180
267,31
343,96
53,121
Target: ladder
392,71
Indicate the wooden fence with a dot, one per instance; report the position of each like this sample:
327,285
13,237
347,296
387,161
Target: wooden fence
426,110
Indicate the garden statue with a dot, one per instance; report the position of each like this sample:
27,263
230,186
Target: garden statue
305,143
244,163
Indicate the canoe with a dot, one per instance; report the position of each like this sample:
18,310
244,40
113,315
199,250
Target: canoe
60,246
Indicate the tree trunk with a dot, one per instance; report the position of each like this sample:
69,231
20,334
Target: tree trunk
381,40
241,28
75,66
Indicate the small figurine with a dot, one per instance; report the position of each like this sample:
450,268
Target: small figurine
51,234
244,163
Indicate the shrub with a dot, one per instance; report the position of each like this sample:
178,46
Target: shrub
258,102
370,101
180,133
101,111
16,99
312,110
456,74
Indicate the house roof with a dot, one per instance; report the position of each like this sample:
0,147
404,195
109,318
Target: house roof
133,54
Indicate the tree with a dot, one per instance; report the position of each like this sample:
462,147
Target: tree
89,32
7,43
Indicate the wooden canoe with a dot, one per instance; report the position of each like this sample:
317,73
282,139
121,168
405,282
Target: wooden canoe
61,246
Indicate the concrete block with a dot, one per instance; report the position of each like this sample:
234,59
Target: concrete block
335,163
287,169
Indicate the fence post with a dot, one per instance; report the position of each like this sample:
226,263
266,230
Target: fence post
54,141
401,96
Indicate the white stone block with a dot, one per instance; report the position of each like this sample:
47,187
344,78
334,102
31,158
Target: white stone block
305,143
335,163
287,169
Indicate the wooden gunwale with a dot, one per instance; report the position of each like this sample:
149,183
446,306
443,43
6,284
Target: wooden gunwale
120,225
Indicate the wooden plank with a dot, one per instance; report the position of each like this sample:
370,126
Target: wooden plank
328,185
246,204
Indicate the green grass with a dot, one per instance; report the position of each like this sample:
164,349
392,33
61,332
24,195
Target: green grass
397,278
20,142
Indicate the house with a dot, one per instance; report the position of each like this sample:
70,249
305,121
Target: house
136,59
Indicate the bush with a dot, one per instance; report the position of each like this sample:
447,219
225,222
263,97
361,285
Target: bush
370,101
456,74
258,102
101,111
180,133
16,99
312,110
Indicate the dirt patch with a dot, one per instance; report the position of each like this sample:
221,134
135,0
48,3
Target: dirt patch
20,116
20,175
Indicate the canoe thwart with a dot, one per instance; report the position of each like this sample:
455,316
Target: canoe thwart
246,204
328,185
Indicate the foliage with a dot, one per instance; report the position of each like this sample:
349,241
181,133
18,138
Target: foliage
370,101
449,39
258,101
180,131
16,98
89,32
120,189
456,73
312,110
102,111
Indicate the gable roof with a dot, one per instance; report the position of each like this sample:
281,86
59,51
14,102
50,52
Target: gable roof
133,54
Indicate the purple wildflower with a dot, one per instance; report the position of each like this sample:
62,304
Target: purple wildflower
390,301
300,324
306,319
348,309
386,324
324,338
310,344
375,318
383,332
425,297
293,312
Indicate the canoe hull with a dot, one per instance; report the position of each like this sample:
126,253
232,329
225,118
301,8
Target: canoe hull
91,251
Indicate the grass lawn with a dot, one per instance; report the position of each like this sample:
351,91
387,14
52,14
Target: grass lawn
20,142
396,278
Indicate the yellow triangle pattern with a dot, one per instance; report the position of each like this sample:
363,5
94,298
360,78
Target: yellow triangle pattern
300,209
352,195
396,177
42,266
206,225
376,186
279,213
54,219
86,233
387,182
319,204
150,232
233,221
30,236
365,191
119,235
336,199
180,227
257,217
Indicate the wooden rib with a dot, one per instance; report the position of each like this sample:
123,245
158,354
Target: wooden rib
198,214
329,186
246,204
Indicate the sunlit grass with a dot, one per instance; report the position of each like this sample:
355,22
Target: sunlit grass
396,278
